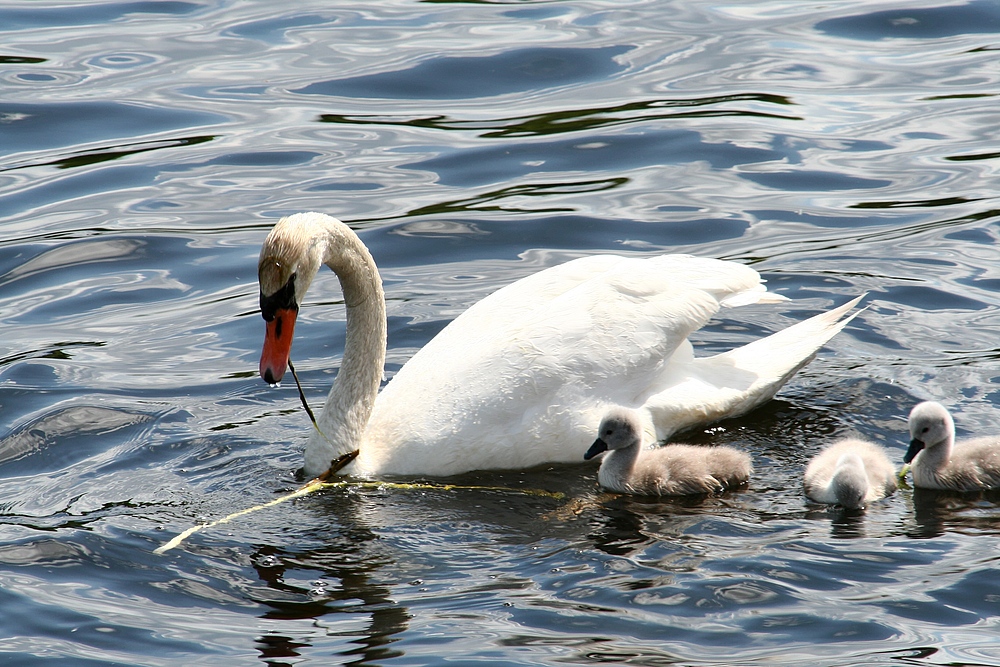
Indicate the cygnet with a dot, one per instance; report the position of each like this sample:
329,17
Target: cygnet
938,462
671,470
850,473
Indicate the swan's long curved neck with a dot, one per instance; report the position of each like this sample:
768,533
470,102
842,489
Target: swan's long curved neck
349,405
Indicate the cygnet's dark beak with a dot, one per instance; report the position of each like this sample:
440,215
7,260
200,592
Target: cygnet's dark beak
915,447
595,449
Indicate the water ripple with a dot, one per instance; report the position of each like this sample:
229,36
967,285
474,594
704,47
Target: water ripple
145,149
514,71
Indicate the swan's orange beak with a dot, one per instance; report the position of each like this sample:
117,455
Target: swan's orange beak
277,345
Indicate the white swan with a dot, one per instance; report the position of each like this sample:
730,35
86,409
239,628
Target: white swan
850,473
524,376
941,463
670,470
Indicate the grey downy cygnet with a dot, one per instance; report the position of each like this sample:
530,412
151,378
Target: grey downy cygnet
670,470
938,462
850,473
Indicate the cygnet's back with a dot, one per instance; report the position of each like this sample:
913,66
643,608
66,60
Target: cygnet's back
850,473
941,463
671,470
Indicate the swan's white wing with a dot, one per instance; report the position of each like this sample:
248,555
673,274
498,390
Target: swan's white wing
735,382
523,377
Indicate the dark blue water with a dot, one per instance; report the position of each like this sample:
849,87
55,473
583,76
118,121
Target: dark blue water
146,148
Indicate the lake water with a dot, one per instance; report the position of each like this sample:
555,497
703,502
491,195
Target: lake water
147,146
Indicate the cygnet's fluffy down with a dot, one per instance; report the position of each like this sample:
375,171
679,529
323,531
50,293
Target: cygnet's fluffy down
850,473
671,470
938,462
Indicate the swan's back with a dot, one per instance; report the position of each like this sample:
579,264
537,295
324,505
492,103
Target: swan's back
850,472
524,376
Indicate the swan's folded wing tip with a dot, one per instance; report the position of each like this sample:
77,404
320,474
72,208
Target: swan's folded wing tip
747,297
761,296
772,297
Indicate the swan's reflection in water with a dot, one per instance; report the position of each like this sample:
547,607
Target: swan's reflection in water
339,578
378,543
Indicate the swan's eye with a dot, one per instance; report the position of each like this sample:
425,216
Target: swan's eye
284,298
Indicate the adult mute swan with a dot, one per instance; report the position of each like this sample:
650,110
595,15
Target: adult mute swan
941,463
850,473
524,376
670,470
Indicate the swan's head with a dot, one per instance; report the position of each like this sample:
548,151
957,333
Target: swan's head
930,425
620,428
290,257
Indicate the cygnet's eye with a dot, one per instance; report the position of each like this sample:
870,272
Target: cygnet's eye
925,429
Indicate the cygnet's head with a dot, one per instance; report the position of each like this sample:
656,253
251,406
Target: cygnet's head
620,428
930,425
850,482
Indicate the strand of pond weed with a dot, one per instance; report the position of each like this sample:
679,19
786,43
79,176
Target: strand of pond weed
322,482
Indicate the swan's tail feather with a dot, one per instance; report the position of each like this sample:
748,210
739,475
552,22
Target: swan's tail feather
783,353
735,382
